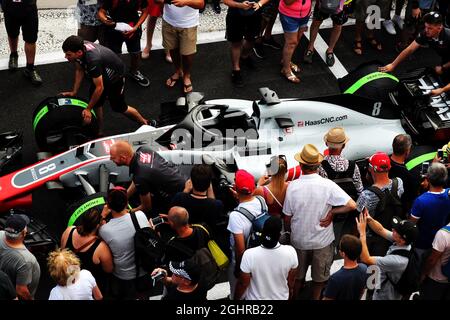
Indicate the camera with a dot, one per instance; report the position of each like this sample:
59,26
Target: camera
158,220
424,170
158,276
443,156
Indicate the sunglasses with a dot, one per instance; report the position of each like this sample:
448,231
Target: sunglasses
274,160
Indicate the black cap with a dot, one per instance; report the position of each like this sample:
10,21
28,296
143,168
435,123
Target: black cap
15,223
433,17
186,269
406,229
271,231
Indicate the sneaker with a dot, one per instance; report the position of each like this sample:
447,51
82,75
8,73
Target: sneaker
33,76
389,26
249,63
258,49
272,43
236,78
329,59
140,78
308,58
398,21
216,7
13,63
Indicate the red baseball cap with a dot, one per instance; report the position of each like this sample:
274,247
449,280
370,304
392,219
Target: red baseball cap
380,162
245,182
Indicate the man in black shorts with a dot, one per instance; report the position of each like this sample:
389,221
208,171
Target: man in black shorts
22,14
106,71
434,36
114,12
339,18
153,177
243,21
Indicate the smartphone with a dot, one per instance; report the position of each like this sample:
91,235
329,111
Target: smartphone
424,169
440,154
158,220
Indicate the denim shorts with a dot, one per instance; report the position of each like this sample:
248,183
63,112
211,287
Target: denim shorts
291,24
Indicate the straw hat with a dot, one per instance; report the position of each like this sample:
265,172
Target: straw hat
309,155
335,137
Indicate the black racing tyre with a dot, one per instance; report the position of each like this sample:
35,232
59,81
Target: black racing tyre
58,124
419,155
76,210
365,81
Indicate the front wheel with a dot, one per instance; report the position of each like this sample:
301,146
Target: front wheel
58,124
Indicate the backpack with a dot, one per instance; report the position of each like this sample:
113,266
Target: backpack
210,271
204,259
446,266
254,238
409,280
388,206
342,179
329,6
148,247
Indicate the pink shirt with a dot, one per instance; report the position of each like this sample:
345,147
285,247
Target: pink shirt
299,9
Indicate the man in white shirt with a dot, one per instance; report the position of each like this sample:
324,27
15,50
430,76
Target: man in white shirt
239,225
179,31
310,205
435,284
268,271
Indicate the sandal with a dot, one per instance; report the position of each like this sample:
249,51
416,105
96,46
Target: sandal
357,47
291,77
375,44
295,68
187,88
171,82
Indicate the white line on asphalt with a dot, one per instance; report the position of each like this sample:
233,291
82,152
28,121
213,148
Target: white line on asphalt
204,37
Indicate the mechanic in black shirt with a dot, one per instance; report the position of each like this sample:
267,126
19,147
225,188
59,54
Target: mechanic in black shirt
153,178
22,14
401,150
127,12
106,71
434,36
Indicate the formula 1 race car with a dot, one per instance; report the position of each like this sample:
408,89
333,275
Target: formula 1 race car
229,134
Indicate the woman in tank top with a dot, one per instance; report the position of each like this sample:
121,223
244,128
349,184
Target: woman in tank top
275,191
93,252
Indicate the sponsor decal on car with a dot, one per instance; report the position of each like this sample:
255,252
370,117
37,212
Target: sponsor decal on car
438,103
306,123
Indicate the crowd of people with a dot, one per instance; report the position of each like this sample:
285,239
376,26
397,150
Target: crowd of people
382,214
375,218
248,29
